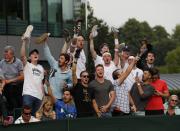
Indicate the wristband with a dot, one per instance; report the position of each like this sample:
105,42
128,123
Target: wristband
73,45
116,50
116,41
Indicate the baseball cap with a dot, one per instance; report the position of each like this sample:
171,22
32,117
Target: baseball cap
126,48
34,50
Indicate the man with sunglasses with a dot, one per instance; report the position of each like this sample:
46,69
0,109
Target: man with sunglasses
170,107
81,94
26,116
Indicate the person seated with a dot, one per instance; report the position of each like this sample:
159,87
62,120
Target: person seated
7,120
26,116
46,112
170,107
64,108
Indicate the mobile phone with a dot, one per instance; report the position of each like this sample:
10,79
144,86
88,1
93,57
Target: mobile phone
136,74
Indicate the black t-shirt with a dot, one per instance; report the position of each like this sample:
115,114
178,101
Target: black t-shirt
83,100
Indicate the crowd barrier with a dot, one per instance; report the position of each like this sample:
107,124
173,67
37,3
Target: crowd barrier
129,123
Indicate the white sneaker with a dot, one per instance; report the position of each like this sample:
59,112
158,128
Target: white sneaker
122,45
113,29
94,31
28,32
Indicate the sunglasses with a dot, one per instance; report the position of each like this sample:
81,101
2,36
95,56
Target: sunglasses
27,113
85,76
174,100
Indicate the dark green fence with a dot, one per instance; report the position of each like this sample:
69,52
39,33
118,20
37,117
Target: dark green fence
109,124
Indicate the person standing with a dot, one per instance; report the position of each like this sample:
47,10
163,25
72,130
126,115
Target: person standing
141,92
155,103
81,95
103,94
61,76
33,76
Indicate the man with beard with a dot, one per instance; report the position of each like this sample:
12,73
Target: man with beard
103,94
64,108
141,92
61,77
76,51
81,94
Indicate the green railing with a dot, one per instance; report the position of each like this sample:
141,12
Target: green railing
154,123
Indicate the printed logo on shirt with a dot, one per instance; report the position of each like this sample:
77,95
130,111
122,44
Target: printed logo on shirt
36,72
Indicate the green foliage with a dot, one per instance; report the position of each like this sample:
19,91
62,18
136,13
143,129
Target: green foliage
169,69
173,60
176,34
175,92
161,48
132,32
159,34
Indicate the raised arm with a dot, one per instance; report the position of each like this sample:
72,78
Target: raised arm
23,51
93,52
50,93
47,54
127,72
74,77
65,46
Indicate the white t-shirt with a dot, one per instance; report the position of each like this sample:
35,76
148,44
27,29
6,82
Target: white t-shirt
98,60
33,76
81,64
20,120
108,70
130,80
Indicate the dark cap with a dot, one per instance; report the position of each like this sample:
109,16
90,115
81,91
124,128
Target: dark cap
126,48
34,50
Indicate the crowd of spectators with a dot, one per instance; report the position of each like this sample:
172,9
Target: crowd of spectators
127,84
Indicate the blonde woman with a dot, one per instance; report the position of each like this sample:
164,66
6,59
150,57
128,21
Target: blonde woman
46,112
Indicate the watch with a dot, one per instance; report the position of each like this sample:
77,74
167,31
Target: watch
138,84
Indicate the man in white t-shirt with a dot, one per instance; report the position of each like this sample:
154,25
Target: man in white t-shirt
26,116
33,76
136,72
106,59
77,54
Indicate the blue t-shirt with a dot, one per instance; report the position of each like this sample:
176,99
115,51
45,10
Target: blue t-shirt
64,111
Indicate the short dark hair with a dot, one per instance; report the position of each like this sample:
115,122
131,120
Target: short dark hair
104,44
149,70
155,71
115,74
151,52
66,56
99,65
67,89
27,107
32,51
83,72
126,48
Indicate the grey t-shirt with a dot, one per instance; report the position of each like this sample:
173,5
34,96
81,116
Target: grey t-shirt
100,91
11,70
140,101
